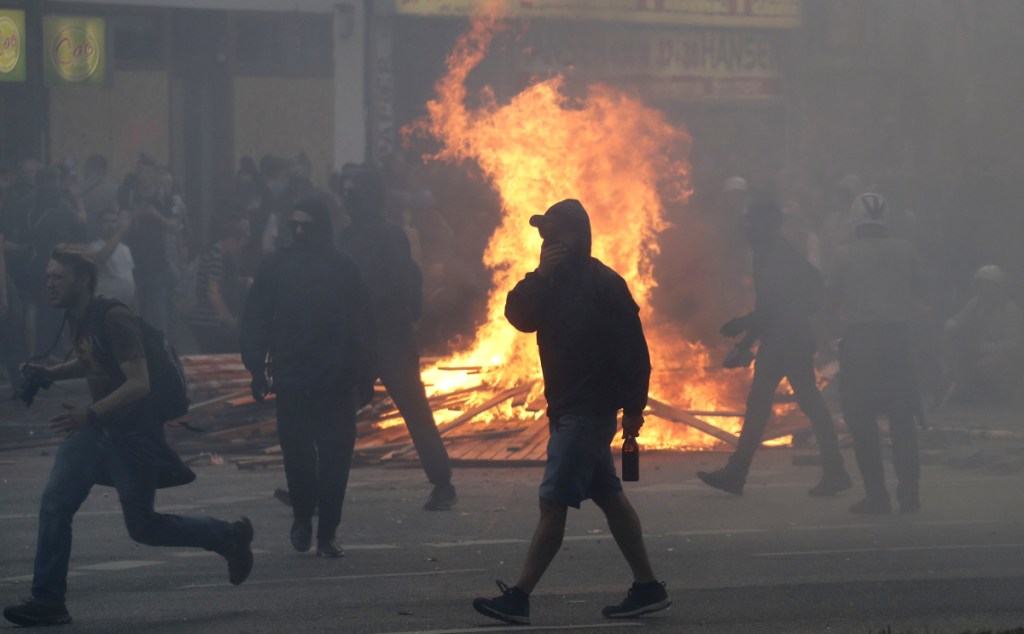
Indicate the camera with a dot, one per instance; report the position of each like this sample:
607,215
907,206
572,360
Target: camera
34,381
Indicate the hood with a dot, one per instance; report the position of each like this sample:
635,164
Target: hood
567,214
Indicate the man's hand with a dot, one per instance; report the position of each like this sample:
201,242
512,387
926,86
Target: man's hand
734,327
631,424
73,417
36,368
551,256
260,386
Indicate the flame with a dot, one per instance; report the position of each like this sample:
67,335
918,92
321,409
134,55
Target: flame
623,160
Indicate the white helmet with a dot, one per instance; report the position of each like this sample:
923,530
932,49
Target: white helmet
991,274
869,209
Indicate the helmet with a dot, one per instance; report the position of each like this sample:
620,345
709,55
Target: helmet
869,209
990,274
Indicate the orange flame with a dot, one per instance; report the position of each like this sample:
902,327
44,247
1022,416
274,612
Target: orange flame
620,158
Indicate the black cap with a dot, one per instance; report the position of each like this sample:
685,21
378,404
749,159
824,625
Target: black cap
567,213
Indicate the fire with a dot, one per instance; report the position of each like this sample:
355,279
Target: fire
622,159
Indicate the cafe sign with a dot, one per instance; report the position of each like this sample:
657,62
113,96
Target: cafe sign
75,50
12,45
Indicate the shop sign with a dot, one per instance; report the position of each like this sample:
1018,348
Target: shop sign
691,63
75,50
729,13
12,45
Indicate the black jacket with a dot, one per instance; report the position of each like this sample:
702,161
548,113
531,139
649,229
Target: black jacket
592,346
788,291
308,314
395,283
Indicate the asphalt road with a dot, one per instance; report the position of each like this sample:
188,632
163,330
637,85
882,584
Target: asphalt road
771,561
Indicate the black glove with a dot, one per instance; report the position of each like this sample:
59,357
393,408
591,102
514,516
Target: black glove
260,386
734,327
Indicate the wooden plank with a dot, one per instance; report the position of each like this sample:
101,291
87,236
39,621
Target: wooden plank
675,414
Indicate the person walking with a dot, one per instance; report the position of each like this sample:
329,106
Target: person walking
595,362
788,290
117,441
395,283
876,282
305,334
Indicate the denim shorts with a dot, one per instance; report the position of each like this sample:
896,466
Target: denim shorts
579,464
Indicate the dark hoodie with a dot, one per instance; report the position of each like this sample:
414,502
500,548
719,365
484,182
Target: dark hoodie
308,312
381,250
592,346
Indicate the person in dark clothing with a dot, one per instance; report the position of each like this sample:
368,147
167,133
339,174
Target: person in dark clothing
381,250
595,362
877,282
306,333
213,320
788,290
117,441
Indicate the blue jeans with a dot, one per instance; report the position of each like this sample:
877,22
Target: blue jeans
84,455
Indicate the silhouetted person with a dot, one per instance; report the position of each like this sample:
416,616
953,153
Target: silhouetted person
306,335
788,291
875,282
595,362
118,441
218,289
381,250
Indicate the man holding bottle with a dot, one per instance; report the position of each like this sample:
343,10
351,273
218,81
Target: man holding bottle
595,362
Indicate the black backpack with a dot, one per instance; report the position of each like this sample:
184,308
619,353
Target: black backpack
168,388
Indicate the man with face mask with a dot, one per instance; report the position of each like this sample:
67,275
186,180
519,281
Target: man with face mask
304,334
395,284
788,291
595,362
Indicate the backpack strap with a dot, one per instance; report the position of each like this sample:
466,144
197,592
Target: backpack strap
101,345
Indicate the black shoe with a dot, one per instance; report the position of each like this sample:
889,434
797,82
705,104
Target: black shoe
329,549
442,498
240,558
512,606
302,534
722,480
869,506
283,496
30,613
831,485
642,598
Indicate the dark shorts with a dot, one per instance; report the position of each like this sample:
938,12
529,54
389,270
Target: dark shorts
579,464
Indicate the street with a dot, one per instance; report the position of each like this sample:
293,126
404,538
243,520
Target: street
771,561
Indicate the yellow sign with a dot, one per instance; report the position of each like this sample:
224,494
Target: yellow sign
729,13
12,45
74,50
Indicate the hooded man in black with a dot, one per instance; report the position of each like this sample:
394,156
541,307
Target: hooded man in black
595,362
305,334
788,290
395,284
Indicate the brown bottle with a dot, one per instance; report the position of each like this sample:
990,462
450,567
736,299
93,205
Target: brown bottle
630,460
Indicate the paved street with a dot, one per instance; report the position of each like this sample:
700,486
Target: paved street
772,561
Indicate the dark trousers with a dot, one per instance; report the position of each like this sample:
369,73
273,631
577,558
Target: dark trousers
794,361
398,363
79,461
877,378
317,431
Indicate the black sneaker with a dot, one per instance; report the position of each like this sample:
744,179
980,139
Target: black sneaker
869,506
302,534
831,485
642,598
240,558
722,480
30,613
442,498
329,549
512,606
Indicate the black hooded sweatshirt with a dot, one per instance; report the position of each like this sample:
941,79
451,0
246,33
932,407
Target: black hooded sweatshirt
592,347
307,314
